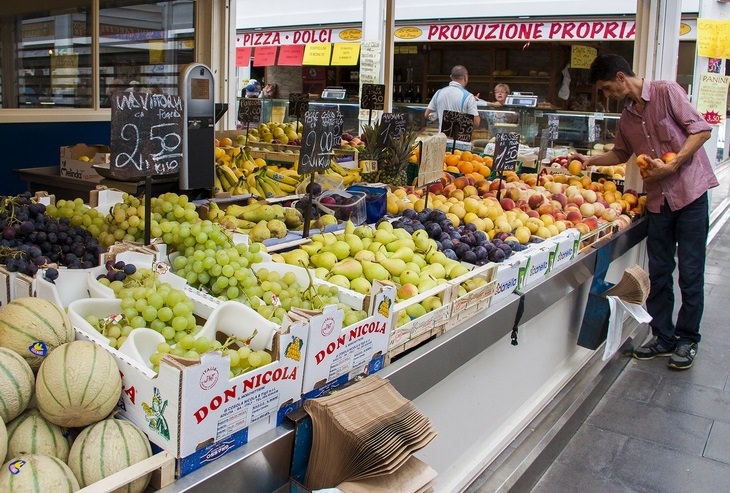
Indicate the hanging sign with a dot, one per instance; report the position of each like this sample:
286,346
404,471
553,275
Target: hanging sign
322,128
345,53
506,148
290,56
146,135
582,56
243,57
553,126
372,97
431,168
317,54
712,99
298,104
264,56
457,126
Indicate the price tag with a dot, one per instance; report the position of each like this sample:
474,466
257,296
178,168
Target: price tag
553,125
457,126
433,151
249,110
298,104
544,140
506,147
146,135
322,128
373,96
392,125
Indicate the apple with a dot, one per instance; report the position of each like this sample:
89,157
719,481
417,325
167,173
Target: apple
668,156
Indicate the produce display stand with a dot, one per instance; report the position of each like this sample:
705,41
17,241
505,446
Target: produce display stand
479,390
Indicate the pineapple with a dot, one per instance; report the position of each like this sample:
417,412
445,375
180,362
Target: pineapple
395,160
372,151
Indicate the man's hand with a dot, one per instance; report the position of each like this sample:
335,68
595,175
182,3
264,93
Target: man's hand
658,169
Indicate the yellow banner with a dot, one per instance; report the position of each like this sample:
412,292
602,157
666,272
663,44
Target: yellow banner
157,51
712,99
713,38
582,56
317,54
345,53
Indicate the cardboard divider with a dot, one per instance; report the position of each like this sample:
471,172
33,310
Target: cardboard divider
433,320
478,299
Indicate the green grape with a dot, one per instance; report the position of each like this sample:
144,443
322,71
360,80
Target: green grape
168,333
179,324
192,354
201,345
137,321
187,342
149,313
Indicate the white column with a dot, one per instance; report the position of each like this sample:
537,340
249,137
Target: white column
376,59
656,46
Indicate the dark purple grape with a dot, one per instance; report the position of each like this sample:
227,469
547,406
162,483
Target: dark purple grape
120,276
31,269
130,269
51,274
109,265
112,276
9,233
119,265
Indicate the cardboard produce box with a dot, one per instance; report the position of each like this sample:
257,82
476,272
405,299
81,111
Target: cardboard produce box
77,161
336,354
537,265
474,301
564,247
509,276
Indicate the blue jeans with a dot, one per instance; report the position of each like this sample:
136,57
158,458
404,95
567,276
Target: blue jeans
683,232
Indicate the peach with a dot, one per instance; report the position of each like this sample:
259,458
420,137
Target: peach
572,190
561,198
591,222
576,199
574,216
609,214
587,210
598,209
536,200
532,213
507,203
546,208
461,182
547,219
589,195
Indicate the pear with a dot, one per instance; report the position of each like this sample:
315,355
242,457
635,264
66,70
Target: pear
361,285
421,241
277,228
375,246
365,255
409,276
339,248
324,259
437,271
349,227
351,317
414,267
364,232
415,310
401,233
432,303
394,265
375,271
406,291
426,283
383,236
321,272
419,261
380,256
366,242
312,248
318,237
457,271
329,238
259,233
355,243
385,226
349,267
395,245
326,220
340,280
296,257
403,253
403,318
461,292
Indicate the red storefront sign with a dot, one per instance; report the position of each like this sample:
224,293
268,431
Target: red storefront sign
291,55
264,56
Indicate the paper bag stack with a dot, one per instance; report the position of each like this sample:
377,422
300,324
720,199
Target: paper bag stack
633,286
363,438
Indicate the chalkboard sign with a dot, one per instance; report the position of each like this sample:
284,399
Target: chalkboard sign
392,125
553,126
544,141
372,97
298,104
506,147
457,126
146,136
322,129
249,110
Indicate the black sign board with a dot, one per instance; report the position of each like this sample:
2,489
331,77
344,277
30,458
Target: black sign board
553,126
392,125
372,97
544,141
457,126
322,129
146,135
506,147
298,104
249,110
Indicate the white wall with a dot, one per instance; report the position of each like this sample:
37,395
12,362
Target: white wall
255,14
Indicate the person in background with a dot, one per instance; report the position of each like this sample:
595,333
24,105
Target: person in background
270,90
500,95
453,97
659,121
252,89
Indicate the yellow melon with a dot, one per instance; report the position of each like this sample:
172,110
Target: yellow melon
16,385
31,433
37,473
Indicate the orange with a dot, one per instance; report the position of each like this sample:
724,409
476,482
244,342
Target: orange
488,161
451,160
467,156
226,141
484,170
465,167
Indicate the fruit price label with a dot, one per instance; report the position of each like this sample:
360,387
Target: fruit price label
553,126
298,104
322,129
146,135
457,126
392,125
373,96
506,147
249,110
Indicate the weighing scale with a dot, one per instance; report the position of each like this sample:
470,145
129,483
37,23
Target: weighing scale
523,99
334,93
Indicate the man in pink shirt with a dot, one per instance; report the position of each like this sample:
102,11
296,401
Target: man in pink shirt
658,119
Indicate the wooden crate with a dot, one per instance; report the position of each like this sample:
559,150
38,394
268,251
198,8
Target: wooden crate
161,465
413,343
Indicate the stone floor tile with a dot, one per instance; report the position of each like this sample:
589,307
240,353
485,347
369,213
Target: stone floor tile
718,445
564,478
698,400
636,384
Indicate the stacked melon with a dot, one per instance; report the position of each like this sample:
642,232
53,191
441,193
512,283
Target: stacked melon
77,386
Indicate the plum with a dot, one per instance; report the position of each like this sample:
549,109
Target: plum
497,255
470,257
450,254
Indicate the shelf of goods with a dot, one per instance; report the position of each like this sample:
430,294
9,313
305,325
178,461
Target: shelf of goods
478,388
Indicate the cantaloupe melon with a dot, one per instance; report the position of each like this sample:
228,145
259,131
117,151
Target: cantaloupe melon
37,474
16,385
3,440
107,447
33,327
78,384
30,433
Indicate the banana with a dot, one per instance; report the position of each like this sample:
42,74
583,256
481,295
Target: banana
231,177
267,188
281,178
223,178
280,188
217,185
251,182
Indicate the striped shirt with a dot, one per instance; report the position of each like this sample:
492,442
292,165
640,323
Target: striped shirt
668,118
453,98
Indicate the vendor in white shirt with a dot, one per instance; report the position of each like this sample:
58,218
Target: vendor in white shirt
454,97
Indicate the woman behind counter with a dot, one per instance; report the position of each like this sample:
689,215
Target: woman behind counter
500,95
